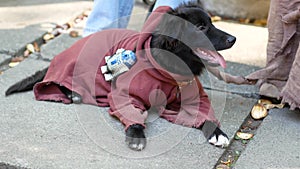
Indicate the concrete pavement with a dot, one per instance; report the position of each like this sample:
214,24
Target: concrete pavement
51,135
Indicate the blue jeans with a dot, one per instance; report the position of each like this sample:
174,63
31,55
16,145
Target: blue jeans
108,14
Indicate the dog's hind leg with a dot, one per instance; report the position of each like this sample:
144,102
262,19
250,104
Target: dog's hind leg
27,83
135,137
75,97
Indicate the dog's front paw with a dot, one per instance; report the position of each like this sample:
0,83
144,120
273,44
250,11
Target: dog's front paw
219,138
135,137
214,134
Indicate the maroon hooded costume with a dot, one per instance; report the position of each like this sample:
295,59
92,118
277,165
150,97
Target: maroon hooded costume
179,99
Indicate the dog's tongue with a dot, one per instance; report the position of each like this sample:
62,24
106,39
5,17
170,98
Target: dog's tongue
210,56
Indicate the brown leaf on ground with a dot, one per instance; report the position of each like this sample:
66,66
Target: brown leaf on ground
48,36
26,53
74,34
13,64
30,47
244,136
222,166
36,47
259,111
17,59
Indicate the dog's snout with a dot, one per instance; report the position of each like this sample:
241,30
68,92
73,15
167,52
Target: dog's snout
230,39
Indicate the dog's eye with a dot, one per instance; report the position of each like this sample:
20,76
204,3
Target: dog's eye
202,27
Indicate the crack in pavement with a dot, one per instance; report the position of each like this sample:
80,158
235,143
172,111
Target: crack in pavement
237,145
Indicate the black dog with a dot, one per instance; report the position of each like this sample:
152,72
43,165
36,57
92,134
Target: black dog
186,33
168,37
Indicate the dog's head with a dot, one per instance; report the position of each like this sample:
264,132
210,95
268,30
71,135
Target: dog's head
188,33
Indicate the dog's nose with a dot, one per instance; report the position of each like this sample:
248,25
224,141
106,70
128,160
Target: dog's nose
230,39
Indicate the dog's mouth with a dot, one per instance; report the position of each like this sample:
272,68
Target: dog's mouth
213,58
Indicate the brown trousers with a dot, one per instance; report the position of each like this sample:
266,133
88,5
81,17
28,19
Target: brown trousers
280,78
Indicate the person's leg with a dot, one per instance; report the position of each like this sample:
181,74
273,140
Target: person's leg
105,15
125,10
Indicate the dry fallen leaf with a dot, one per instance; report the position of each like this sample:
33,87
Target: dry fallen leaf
215,18
226,162
259,111
36,46
260,22
264,101
17,59
70,24
245,20
13,64
271,106
26,53
86,13
30,47
48,36
57,31
74,34
244,136
222,166
66,26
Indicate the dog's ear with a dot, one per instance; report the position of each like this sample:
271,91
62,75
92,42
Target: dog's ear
170,28
174,29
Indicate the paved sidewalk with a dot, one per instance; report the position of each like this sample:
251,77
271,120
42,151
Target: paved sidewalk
49,135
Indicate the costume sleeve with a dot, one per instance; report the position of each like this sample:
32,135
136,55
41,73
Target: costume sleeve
228,78
126,105
195,107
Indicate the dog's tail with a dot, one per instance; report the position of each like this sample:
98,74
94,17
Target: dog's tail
28,83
